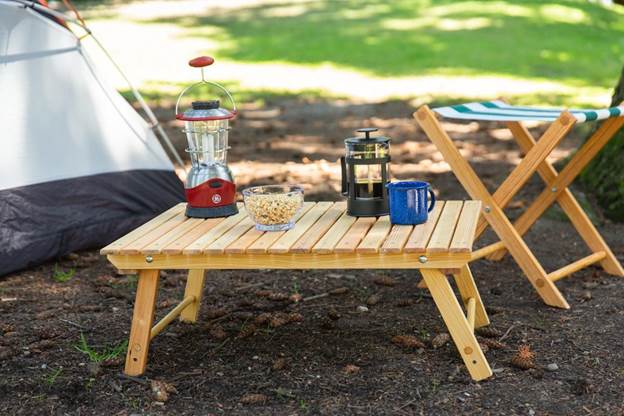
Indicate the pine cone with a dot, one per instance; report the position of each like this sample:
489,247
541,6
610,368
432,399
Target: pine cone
407,341
214,313
523,358
295,317
278,297
440,340
247,331
405,302
493,344
263,318
373,300
253,399
339,291
488,332
279,319
385,281
263,293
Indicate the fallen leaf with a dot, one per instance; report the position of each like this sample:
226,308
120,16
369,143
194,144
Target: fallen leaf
488,332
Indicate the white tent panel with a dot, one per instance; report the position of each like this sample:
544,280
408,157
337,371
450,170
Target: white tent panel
57,122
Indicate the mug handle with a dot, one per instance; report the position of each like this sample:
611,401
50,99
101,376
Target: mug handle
432,199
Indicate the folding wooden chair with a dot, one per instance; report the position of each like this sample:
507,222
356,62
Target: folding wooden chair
556,190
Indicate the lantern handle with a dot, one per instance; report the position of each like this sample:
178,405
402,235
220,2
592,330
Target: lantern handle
201,62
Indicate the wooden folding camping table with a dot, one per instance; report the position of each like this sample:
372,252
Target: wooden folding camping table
324,237
534,160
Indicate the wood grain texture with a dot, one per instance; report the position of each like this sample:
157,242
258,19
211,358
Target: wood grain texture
418,240
375,236
328,242
215,232
176,246
283,244
153,235
466,227
397,238
195,288
457,324
349,242
116,245
172,235
218,246
142,319
532,269
445,228
262,244
318,230
298,261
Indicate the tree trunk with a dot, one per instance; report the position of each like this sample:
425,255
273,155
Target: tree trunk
604,177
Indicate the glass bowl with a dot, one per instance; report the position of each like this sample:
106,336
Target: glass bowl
273,207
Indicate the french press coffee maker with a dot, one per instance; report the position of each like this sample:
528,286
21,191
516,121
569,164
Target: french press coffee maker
210,189
365,173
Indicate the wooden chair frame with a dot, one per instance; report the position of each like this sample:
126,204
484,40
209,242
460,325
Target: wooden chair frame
556,190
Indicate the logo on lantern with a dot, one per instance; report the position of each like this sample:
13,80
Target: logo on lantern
216,198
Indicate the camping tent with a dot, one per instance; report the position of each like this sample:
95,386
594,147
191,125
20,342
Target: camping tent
78,166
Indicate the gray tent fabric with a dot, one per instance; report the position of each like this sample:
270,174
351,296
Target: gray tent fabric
79,166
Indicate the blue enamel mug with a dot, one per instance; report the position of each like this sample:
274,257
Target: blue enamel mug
410,202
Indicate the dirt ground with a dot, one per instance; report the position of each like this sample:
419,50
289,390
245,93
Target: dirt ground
337,360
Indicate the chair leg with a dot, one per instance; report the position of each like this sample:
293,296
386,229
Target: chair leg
468,289
566,200
457,324
555,133
492,212
142,320
194,287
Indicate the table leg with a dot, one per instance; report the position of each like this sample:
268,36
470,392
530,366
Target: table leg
142,319
457,324
468,289
194,287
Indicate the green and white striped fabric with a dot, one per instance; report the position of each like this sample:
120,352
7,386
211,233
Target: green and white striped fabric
500,111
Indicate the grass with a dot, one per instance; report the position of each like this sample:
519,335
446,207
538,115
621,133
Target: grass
53,376
575,41
109,353
62,276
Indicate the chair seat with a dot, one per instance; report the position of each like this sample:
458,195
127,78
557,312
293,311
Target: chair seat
501,111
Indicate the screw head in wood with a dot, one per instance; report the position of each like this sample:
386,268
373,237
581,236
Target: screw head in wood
422,259
553,189
149,259
487,209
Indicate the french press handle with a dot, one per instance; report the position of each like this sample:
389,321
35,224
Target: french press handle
343,165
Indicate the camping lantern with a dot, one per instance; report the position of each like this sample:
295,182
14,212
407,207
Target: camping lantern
210,189
365,173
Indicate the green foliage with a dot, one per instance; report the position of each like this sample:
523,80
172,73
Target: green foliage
570,40
51,378
61,276
604,176
109,353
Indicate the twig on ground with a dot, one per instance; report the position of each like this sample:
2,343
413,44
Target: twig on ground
506,334
320,295
135,379
75,324
240,289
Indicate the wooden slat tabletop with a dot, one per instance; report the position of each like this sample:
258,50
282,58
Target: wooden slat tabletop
321,228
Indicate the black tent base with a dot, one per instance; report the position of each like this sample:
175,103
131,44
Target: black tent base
49,220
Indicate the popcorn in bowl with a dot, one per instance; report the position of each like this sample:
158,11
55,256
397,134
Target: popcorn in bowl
273,207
